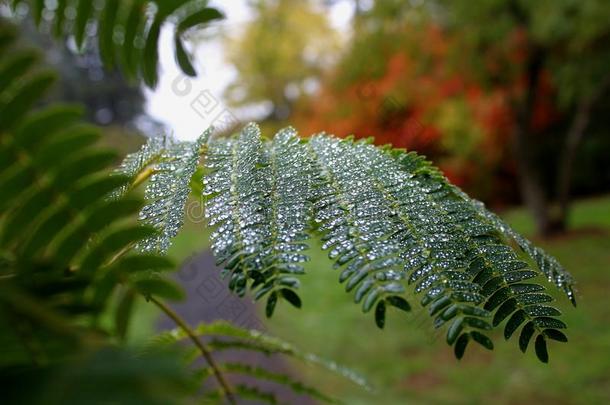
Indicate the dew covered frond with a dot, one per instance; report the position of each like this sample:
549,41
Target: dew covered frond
546,263
397,231
135,164
259,200
168,190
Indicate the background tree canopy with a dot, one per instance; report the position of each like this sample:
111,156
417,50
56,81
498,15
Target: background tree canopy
280,55
525,82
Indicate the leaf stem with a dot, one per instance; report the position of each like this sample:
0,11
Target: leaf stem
195,339
142,177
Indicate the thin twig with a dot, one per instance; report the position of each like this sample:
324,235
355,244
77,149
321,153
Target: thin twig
204,351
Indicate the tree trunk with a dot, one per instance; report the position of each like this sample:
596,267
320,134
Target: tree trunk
566,162
531,185
530,177
549,219
566,165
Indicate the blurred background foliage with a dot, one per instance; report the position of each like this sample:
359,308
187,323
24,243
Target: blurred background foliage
109,99
279,55
507,96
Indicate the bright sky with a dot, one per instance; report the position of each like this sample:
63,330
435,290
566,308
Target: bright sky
189,105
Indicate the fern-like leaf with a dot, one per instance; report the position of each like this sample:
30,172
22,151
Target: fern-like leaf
549,265
262,214
64,239
168,191
263,374
128,31
394,227
134,165
226,336
492,264
245,392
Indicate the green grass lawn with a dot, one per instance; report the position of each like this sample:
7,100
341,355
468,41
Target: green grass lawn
410,363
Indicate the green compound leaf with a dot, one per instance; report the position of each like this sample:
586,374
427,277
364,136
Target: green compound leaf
127,31
392,224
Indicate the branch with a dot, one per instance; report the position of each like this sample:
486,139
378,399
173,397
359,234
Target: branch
195,339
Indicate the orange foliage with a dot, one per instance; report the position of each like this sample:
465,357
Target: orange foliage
401,107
